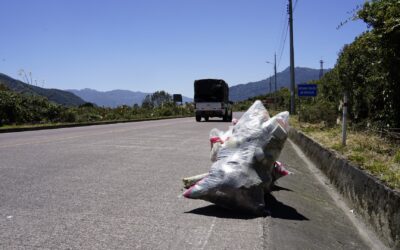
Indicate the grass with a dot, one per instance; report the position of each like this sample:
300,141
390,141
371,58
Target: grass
378,156
397,157
20,126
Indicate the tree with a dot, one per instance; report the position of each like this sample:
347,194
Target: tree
157,99
4,87
384,18
146,103
368,68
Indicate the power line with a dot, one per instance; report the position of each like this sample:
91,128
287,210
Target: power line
283,46
285,30
284,33
282,28
295,4
283,37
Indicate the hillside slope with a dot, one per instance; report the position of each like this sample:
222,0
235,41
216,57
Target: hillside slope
111,98
243,91
114,98
54,95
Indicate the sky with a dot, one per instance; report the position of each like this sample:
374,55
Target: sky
151,45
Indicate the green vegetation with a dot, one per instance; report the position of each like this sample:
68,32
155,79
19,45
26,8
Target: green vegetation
27,88
397,157
281,97
242,92
368,70
378,155
18,109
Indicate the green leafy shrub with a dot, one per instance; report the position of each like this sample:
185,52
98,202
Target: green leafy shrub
322,111
68,116
9,108
165,112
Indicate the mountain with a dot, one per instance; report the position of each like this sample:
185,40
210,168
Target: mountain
55,95
244,91
113,98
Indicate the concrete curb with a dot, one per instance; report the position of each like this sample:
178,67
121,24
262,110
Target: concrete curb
377,204
71,125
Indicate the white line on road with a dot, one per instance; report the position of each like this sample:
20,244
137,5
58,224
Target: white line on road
366,234
266,238
208,234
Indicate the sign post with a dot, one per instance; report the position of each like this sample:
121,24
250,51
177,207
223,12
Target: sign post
306,90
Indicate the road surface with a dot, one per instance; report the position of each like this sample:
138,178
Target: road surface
118,187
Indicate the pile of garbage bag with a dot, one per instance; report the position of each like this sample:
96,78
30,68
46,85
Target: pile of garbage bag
244,162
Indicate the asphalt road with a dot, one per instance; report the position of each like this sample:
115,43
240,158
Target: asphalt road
118,187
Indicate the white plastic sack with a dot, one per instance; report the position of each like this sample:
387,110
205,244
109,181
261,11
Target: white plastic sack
244,166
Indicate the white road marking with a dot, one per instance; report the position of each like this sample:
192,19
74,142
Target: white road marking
366,234
266,233
210,230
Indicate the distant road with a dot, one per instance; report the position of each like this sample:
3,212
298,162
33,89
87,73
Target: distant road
117,187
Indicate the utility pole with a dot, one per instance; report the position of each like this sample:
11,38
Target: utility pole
321,71
270,84
276,93
292,79
275,71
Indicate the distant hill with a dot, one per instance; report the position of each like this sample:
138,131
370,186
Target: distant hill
55,95
113,98
244,91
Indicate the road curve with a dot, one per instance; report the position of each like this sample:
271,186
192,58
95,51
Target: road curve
118,187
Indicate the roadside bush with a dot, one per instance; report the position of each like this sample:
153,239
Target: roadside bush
16,108
53,112
7,109
314,113
241,106
87,104
109,116
165,112
68,116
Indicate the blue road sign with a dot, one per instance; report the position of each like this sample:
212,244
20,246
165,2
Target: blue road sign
307,89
